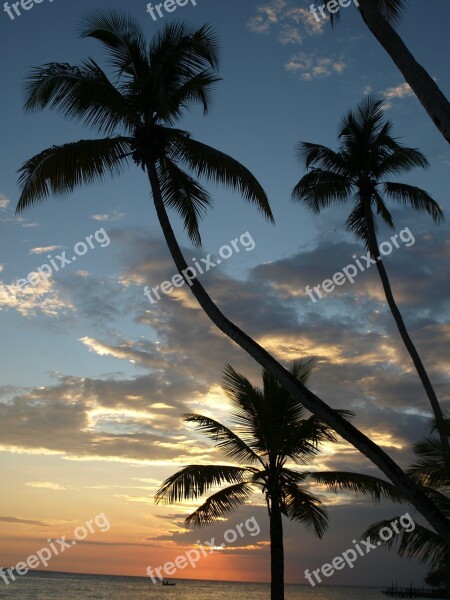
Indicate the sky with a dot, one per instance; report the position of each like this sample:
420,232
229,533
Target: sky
95,377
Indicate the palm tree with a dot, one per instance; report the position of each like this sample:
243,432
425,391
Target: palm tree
381,18
357,171
270,436
153,84
432,472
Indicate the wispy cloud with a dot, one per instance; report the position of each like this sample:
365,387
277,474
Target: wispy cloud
44,249
114,216
287,21
400,91
48,485
403,90
312,67
4,202
28,299
19,521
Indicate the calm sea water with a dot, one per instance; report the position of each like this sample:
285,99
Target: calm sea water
55,586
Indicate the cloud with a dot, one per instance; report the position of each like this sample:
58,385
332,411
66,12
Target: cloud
28,300
44,249
312,67
290,23
114,216
393,93
351,333
48,485
4,202
400,91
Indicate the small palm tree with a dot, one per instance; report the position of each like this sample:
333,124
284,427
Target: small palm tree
432,473
270,437
357,171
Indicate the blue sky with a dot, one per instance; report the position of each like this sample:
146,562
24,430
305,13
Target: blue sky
85,356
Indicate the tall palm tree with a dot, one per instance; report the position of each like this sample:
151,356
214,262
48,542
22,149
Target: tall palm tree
270,437
153,84
381,18
432,472
357,172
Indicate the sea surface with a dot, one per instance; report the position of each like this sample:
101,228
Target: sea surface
58,586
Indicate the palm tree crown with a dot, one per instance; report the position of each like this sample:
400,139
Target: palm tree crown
367,154
150,87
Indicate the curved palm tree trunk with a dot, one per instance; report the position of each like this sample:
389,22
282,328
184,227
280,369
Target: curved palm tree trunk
276,553
422,84
311,402
409,345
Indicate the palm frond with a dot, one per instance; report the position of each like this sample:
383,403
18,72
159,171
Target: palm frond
421,543
198,89
184,64
431,469
185,195
249,408
299,505
358,221
416,198
358,483
222,169
323,158
191,482
396,159
319,189
61,169
123,38
83,93
184,51
220,504
224,439
382,210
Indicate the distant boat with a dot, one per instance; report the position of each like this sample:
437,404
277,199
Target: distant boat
167,583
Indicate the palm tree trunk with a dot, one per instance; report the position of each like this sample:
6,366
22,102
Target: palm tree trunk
311,402
422,84
409,345
276,552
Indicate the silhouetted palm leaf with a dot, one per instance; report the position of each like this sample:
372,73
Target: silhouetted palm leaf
193,481
220,504
358,483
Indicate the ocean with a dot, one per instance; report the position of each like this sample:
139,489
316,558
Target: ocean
61,586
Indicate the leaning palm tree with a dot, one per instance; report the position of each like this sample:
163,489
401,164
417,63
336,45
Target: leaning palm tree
432,472
381,18
270,437
357,172
150,87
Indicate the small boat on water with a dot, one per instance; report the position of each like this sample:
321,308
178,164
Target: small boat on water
168,583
